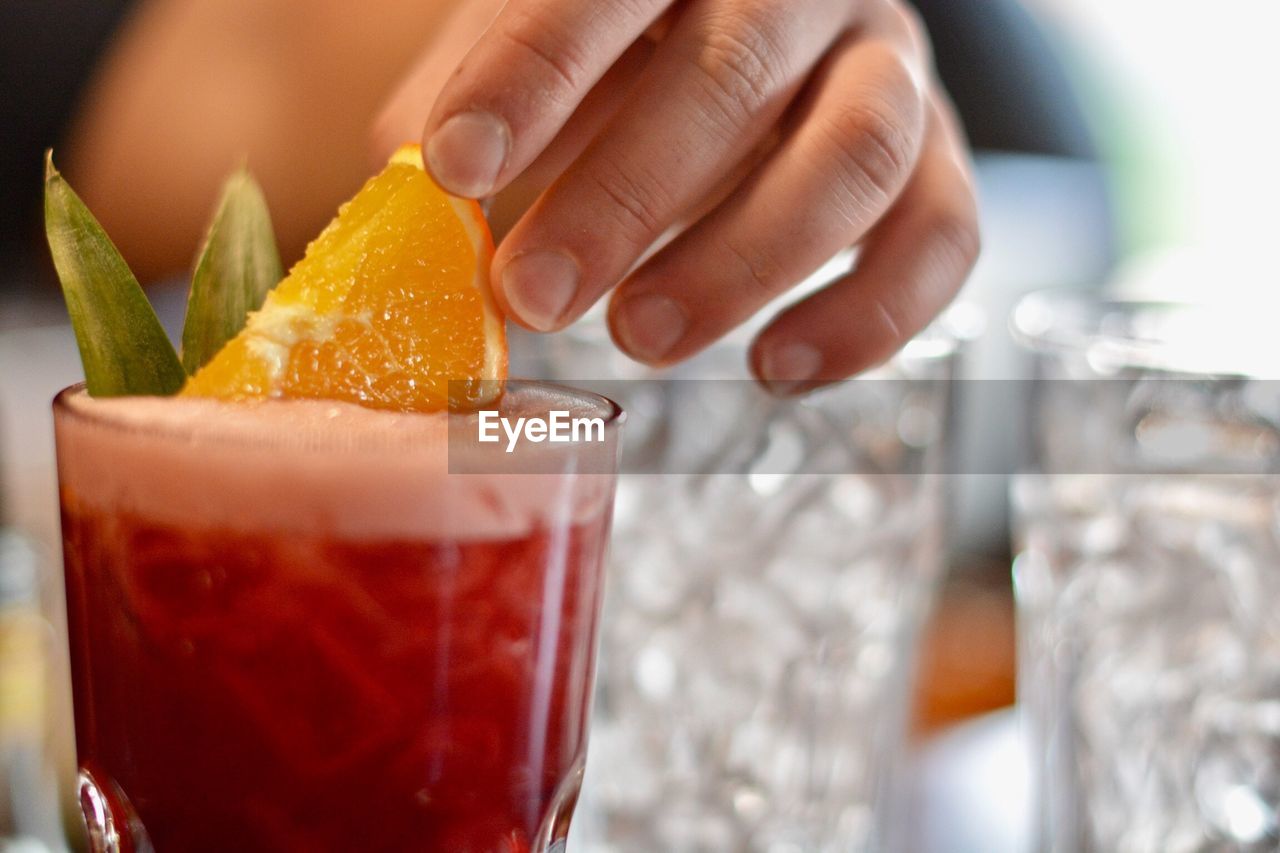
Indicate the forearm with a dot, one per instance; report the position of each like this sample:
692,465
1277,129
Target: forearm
192,87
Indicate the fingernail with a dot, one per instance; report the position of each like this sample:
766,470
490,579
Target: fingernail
467,152
539,286
788,367
650,325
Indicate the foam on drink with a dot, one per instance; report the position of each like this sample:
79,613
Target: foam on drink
322,466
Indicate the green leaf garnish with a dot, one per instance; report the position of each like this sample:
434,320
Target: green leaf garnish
238,264
123,347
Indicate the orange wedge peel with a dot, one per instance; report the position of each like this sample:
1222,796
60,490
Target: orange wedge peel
390,308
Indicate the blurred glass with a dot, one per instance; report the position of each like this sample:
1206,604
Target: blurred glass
762,612
1147,582
29,819
45,358
29,812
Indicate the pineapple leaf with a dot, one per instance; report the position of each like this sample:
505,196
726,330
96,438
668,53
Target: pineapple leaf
237,266
123,347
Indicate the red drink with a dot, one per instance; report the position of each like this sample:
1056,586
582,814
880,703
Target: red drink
382,656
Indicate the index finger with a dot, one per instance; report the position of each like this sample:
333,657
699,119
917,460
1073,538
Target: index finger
521,82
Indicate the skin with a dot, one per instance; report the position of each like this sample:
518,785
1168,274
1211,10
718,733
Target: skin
690,161
192,88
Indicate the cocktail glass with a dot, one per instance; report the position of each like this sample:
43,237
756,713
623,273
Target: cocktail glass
302,625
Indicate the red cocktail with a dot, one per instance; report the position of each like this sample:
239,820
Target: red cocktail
293,629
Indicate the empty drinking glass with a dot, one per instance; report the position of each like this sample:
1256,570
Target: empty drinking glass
1148,579
772,563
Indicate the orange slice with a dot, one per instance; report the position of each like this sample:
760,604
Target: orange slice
390,308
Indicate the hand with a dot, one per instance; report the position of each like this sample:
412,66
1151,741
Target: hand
771,133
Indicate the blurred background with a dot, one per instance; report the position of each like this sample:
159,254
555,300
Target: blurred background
1128,144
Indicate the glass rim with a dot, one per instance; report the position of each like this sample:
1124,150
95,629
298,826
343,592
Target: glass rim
1163,336
611,413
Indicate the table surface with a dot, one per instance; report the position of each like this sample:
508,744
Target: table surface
971,789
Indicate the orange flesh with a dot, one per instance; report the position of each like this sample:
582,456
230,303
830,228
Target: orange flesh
390,303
